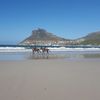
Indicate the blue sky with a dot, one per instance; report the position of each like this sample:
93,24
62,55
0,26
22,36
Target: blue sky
66,18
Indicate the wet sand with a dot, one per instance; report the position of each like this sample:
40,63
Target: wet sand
49,80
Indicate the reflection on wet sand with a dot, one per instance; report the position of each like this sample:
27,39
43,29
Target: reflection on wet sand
37,56
91,55
51,55
65,56
47,56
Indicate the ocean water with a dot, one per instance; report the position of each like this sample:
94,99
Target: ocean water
14,52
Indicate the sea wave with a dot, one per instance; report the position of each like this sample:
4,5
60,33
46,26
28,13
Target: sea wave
74,49
14,49
23,49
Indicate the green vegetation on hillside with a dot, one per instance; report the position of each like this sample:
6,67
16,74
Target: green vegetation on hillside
92,39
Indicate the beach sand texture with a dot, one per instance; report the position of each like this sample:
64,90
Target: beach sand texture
49,80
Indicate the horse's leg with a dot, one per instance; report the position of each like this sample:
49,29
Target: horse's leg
43,52
33,51
47,51
38,51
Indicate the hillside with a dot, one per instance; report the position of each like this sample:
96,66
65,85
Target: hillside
41,36
92,38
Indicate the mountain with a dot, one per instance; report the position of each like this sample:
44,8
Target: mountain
41,34
92,38
42,37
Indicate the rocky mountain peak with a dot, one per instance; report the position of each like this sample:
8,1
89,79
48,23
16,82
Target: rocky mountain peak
41,33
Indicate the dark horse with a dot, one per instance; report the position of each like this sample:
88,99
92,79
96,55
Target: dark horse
45,50
35,50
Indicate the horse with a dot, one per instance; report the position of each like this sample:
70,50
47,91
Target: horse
45,50
35,50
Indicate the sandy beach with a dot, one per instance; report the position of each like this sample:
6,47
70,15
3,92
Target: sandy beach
49,80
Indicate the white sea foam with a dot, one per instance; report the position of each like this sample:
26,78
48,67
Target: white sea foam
22,49
74,49
14,49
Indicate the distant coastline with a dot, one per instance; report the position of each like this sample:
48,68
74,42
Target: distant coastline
41,37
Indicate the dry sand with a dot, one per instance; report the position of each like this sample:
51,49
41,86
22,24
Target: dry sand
49,80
